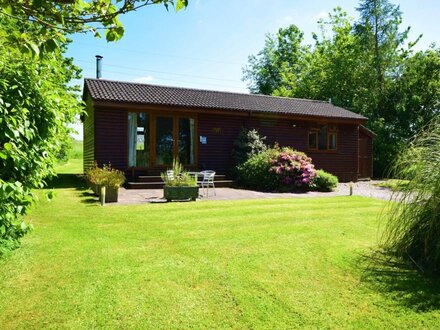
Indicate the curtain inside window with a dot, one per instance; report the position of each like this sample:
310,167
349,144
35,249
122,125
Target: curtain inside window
132,136
191,130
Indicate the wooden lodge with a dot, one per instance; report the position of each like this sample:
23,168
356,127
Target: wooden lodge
141,128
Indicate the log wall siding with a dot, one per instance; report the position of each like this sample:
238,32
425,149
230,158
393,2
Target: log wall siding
109,143
344,162
89,136
111,132
221,131
369,152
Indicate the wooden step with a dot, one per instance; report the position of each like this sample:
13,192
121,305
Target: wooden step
144,185
149,178
159,185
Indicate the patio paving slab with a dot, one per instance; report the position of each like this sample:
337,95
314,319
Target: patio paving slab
364,188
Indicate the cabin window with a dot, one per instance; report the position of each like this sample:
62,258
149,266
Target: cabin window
323,138
332,141
313,140
138,139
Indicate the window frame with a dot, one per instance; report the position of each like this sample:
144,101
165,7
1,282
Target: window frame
331,130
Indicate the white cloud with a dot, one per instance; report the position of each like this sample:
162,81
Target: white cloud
288,19
144,80
320,15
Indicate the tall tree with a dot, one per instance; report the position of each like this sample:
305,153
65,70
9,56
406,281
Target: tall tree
283,55
382,41
333,68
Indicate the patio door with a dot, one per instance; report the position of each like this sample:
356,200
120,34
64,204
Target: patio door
155,140
164,140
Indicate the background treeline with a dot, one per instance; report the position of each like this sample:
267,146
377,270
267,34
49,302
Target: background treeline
368,66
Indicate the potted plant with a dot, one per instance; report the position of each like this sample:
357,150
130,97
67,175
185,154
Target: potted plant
113,180
95,179
179,185
107,177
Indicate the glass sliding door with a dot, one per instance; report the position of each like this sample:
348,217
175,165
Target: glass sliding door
138,139
170,137
186,147
164,140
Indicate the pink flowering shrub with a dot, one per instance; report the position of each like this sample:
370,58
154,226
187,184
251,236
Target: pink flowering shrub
293,168
281,169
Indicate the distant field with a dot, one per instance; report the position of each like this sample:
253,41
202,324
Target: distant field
75,163
77,150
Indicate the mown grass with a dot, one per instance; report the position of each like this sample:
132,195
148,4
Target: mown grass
288,263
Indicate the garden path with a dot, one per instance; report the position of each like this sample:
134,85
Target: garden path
362,188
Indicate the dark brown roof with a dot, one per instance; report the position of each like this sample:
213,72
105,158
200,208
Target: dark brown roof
127,92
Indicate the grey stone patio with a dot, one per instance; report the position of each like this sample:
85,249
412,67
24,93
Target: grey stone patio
366,189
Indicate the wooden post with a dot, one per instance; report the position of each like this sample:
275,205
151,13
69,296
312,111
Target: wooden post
102,195
351,188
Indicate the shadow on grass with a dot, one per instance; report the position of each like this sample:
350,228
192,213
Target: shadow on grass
401,282
62,181
87,197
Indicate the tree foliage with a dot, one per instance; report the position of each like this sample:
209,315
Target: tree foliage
36,102
282,55
367,66
75,16
35,106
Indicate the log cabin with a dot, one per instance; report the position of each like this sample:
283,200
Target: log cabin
140,128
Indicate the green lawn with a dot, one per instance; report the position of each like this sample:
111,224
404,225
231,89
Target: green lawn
287,263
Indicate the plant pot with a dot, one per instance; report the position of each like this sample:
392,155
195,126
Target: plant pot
96,188
111,194
180,193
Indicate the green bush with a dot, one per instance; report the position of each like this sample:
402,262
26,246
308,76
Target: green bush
105,176
255,172
281,169
324,181
248,143
37,101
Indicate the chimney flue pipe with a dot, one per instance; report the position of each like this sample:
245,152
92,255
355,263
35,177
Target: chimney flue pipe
98,66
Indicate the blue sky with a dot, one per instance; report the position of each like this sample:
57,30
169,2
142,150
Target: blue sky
207,44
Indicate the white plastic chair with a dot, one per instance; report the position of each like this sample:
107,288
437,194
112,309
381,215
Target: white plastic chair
207,181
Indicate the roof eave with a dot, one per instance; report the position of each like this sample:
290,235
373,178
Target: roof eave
138,105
